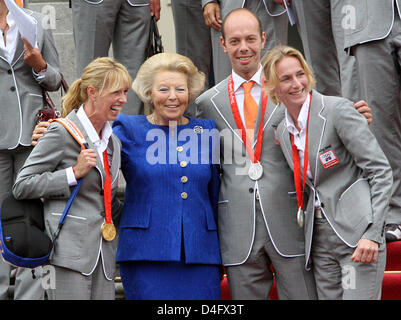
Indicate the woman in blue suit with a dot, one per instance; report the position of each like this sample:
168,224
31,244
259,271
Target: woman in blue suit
168,245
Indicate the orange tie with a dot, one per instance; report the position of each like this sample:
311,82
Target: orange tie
20,3
250,108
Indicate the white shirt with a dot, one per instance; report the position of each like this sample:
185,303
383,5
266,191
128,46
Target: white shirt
10,47
256,90
99,143
300,136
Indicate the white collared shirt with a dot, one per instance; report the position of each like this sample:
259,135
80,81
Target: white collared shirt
10,47
99,143
300,136
256,90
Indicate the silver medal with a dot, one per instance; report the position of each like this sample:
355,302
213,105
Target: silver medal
300,217
255,171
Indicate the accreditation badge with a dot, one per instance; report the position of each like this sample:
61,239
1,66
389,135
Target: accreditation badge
328,159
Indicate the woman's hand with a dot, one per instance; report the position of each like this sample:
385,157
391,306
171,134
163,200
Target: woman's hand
366,251
85,161
33,57
39,131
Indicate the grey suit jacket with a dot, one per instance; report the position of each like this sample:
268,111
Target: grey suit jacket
21,90
272,8
236,217
367,20
355,192
44,176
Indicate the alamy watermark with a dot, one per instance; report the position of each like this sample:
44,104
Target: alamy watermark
198,146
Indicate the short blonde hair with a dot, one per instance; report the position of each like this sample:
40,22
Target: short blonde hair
103,74
269,63
172,62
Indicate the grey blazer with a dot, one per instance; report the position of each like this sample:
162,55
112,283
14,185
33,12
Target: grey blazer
355,192
272,8
236,217
43,176
21,90
368,20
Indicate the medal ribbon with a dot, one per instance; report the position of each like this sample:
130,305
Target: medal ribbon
255,156
297,165
107,189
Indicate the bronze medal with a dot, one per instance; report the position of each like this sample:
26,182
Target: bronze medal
108,231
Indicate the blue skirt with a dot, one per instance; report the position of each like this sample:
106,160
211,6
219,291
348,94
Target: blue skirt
152,280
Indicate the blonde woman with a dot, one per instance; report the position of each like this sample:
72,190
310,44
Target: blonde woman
83,258
168,246
337,160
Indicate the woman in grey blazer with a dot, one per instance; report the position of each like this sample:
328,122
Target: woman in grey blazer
84,256
330,148
24,72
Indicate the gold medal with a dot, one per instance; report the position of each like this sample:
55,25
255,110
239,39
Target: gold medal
108,231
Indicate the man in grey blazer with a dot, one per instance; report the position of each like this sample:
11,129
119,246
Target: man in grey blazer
24,72
192,38
373,35
274,23
320,25
124,23
257,218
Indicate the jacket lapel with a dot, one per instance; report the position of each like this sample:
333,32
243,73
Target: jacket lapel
19,51
115,162
285,142
316,129
221,103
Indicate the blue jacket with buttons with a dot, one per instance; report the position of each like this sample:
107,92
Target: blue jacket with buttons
172,189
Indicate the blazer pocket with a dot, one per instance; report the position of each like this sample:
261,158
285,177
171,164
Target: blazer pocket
354,205
35,101
93,1
292,194
223,210
71,237
138,3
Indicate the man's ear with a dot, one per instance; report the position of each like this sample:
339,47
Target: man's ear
223,44
264,37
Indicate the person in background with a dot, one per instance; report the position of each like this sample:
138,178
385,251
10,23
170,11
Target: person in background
373,36
84,254
274,22
123,23
25,70
168,245
331,150
192,38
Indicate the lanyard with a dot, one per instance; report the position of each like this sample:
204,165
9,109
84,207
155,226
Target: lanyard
297,164
107,189
255,156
